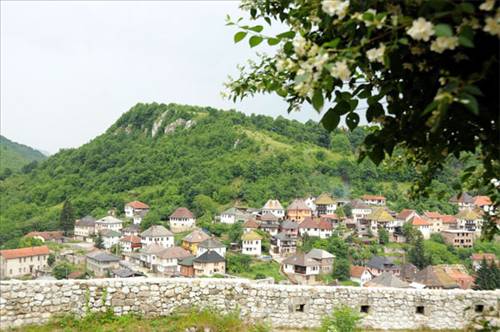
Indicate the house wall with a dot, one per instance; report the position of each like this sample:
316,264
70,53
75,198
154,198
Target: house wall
251,247
181,224
389,308
16,267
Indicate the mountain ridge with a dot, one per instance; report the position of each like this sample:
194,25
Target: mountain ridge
15,155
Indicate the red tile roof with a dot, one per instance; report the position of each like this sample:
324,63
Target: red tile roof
357,271
310,222
24,252
131,238
417,221
373,197
138,205
432,214
480,256
251,223
182,212
46,235
448,219
482,201
405,213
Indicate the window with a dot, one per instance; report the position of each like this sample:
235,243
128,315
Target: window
300,307
420,309
479,308
364,309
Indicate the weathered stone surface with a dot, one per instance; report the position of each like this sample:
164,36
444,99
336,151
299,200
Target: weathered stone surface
284,306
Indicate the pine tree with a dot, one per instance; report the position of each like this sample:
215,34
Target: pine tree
67,219
484,280
417,253
98,242
495,273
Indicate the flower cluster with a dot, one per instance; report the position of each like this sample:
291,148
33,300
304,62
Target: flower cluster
335,7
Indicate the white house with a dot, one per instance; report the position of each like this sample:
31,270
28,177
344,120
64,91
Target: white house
422,225
316,227
110,237
232,215
130,243
149,255
360,274
109,222
360,210
310,203
167,259
84,228
301,268
274,206
138,217
22,261
325,204
373,200
135,207
182,220
210,244
251,244
159,235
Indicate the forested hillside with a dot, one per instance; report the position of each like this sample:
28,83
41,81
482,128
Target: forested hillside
14,156
205,159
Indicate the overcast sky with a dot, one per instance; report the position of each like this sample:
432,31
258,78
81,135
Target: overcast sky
70,69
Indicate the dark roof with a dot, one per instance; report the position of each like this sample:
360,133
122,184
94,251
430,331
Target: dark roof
102,256
408,272
432,276
126,273
187,261
298,204
209,257
156,231
387,279
109,233
210,244
86,221
381,263
131,228
283,237
174,252
288,224
300,260
268,217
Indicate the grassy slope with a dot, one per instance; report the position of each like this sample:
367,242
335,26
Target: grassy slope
14,155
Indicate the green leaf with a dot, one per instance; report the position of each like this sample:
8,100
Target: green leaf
332,44
317,100
403,41
272,41
288,34
257,28
342,107
374,111
470,103
376,154
465,41
239,36
443,30
330,120
466,36
368,17
431,107
255,40
352,120
473,90
467,7
288,48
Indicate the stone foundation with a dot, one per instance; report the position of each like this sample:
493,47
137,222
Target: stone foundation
284,306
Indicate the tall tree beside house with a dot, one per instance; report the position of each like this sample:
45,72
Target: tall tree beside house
67,219
341,269
410,232
98,242
417,254
488,276
383,236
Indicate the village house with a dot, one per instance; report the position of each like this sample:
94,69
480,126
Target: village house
408,272
130,243
157,234
269,223
250,225
324,258
208,264
182,220
298,210
109,237
211,244
463,201
316,227
273,206
132,230
422,225
433,277
459,274
477,260
449,221
138,217
310,204
379,218
458,238
85,229
360,209
387,279
481,202
126,273
135,207
190,242
373,200
290,228
53,236
325,204
23,261
149,255
186,267
405,215
469,220
379,264
101,263
232,215
283,245
168,259
434,218
109,222
251,244
301,269
360,274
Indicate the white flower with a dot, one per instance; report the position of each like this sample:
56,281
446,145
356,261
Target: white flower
320,60
495,182
421,29
341,70
487,5
299,45
442,44
376,54
335,7
492,26
377,23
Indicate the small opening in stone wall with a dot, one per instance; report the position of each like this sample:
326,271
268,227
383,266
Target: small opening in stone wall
479,308
364,309
300,307
420,310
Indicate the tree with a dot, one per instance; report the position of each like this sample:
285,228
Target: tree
98,241
383,236
62,270
485,280
67,218
237,263
409,232
341,269
348,210
426,70
29,241
340,212
417,253
343,319
51,259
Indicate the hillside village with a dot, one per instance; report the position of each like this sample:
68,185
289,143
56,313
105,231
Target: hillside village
277,242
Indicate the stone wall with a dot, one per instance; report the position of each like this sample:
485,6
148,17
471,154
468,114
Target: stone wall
288,306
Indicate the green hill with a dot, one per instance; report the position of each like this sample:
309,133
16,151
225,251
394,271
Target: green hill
14,155
199,157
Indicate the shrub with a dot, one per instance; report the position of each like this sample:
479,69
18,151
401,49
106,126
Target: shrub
343,319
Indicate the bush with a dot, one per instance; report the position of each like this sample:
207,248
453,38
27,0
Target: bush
343,319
